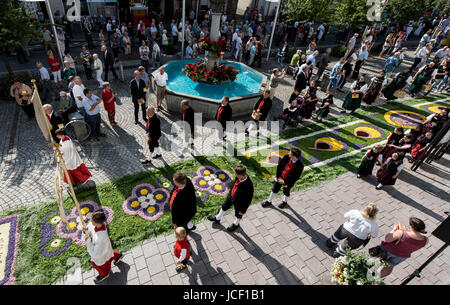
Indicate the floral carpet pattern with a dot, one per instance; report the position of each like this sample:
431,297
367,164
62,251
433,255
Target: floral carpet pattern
9,238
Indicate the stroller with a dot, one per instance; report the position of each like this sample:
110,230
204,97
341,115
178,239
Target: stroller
290,115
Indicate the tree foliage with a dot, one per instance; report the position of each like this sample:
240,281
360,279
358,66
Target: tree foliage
16,27
352,11
402,11
309,10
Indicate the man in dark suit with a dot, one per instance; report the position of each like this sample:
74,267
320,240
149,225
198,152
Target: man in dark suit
137,86
187,116
224,113
261,110
183,203
300,84
289,170
153,134
240,197
55,121
108,61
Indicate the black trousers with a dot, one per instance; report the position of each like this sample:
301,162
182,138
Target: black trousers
88,71
29,110
417,61
113,70
320,72
237,208
153,144
286,190
136,111
350,240
21,55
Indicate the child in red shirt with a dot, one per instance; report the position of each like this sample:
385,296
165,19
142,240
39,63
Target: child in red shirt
181,248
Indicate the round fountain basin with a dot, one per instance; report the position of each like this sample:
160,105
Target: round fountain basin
204,97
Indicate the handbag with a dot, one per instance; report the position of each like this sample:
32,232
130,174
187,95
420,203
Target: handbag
376,251
256,115
399,93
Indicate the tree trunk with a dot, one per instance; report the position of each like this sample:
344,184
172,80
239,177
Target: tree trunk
5,61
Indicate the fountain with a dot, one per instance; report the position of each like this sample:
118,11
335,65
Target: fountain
205,94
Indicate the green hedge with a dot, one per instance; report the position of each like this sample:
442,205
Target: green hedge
6,82
338,51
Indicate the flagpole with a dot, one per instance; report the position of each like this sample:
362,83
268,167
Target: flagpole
182,34
59,158
50,13
273,29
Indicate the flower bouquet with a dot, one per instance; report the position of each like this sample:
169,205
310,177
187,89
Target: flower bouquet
355,269
213,46
219,74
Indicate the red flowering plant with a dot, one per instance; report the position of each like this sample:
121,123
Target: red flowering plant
214,46
220,73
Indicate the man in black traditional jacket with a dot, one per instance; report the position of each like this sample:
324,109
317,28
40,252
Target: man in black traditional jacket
240,197
153,134
183,203
289,170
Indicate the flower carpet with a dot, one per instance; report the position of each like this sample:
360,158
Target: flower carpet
136,205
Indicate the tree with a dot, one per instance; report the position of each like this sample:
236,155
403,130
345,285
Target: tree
16,29
402,11
352,11
309,10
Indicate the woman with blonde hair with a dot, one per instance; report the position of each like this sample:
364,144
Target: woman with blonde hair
357,230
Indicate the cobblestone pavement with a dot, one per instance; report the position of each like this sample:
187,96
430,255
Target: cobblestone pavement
287,246
272,247
27,164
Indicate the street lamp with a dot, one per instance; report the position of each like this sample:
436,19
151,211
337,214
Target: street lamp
274,26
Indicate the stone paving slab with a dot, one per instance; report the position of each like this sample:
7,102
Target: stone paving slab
293,250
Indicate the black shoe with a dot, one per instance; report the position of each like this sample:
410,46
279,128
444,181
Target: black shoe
266,204
343,111
136,122
232,227
180,268
102,135
100,279
157,156
358,176
191,229
146,162
119,259
330,244
378,188
335,254
213,218
282,205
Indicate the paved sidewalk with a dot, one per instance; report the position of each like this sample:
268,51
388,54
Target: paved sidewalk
287,246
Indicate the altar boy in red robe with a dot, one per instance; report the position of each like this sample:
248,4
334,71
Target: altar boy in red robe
181,248
289,170
99,246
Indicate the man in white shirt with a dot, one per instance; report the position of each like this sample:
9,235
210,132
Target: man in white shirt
421,56
174,34
351,44
160,83
442,53
45,81
156,54
189,51
144,52
91,104
78,94
98,68
238,48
